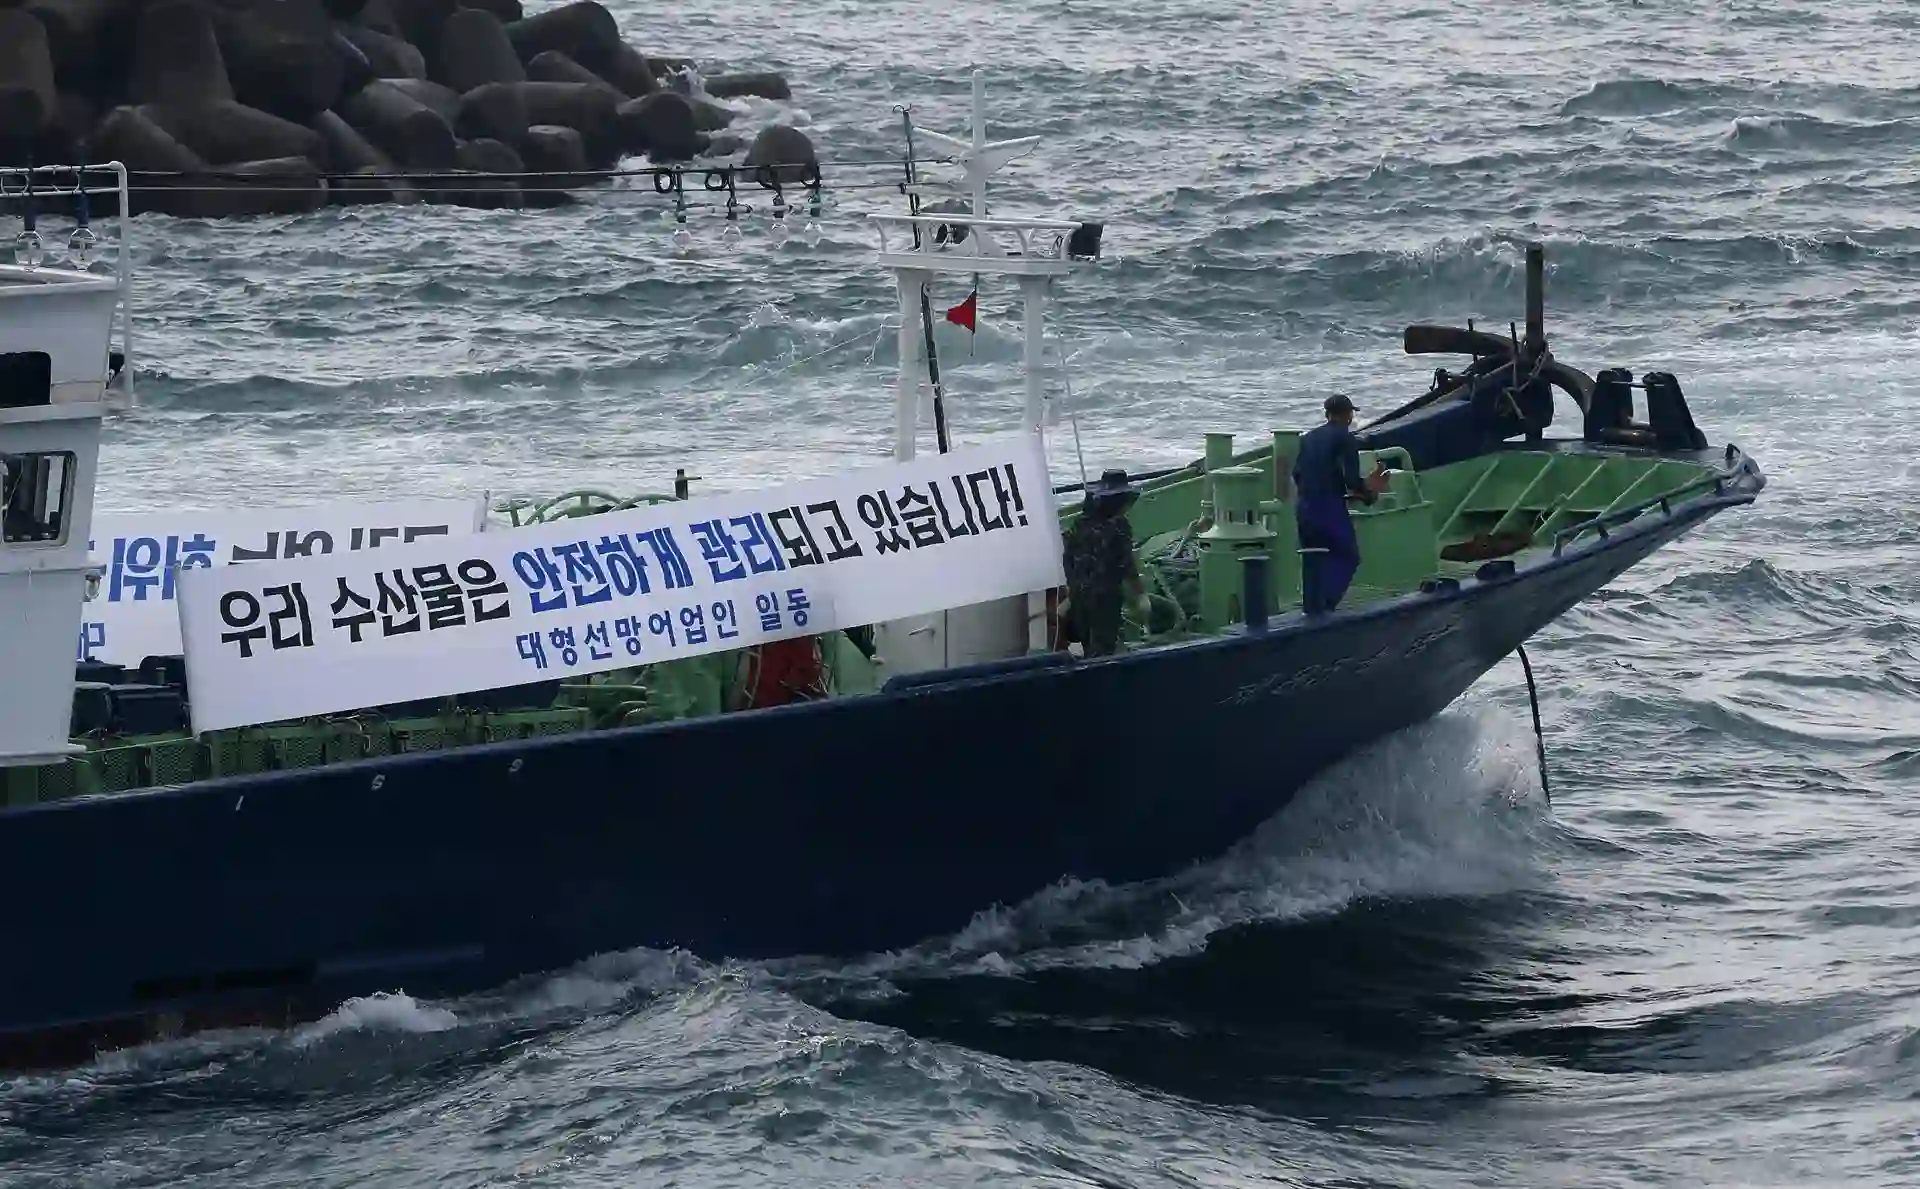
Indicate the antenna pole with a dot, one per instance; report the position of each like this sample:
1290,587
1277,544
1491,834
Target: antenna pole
1536,301
926,306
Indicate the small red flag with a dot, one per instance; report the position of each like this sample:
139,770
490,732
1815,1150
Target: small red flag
962,314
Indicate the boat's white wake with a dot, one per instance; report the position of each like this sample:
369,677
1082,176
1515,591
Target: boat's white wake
1449,808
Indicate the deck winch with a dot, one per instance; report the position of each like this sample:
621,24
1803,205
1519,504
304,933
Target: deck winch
1237,533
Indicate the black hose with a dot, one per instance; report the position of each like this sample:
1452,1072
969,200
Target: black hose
1539,739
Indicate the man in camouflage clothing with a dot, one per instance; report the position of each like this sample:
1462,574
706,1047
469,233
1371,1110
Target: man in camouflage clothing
1100,566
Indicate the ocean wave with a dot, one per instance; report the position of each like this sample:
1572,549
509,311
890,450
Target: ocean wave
1642,97
1702,1034
1804,130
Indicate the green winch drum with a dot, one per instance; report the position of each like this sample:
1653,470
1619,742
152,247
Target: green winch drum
1238,530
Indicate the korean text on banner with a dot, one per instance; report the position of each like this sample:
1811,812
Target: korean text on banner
133,615
279,640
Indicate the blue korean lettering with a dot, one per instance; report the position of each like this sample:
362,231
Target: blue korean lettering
694,620
599,645
196,550
625,566
581,567
141,563
562,640
717,547
93,637
768,605
630,630
799,606
136,567
660,623
532,649
724,616
757,544
674,572
538,573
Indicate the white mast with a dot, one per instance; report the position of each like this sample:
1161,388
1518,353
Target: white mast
1033,251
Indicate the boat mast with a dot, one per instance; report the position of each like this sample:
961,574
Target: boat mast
1032,251
926,305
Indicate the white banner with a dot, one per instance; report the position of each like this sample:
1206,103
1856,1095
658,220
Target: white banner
280,640
133,617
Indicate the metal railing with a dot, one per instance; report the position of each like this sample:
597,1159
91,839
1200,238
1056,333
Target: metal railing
1600,524
1044,239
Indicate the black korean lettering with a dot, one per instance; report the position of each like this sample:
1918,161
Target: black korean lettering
965,505
370,538
840,542
396,598
483,582
270,551
797,546
916,512
966,527
1013,484
877,511
353,623
441,594
988,522
308,544
240,611
292,606
414,532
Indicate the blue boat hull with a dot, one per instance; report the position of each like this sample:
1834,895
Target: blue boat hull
837,827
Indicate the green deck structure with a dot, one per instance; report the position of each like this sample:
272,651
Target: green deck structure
1191,529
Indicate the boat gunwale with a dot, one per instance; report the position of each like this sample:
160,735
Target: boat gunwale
1682,518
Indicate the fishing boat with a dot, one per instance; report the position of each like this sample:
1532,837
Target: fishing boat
182,853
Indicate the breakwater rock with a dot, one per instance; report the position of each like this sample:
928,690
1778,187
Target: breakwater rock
230,107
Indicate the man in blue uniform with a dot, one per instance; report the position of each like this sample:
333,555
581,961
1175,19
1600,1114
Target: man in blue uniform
1324,475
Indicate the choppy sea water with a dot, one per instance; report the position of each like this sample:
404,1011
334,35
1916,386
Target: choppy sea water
1701,966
